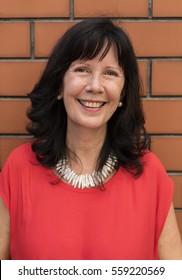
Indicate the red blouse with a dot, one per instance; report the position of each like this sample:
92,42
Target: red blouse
55,221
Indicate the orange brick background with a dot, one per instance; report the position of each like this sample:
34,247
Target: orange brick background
28,32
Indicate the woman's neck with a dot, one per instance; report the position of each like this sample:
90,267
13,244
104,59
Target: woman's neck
86,144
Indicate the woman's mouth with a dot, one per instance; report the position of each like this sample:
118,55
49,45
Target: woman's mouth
91,104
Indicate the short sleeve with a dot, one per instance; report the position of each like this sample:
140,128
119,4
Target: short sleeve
5,183
11,174
165,190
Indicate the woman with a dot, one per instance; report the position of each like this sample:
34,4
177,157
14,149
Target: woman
87,187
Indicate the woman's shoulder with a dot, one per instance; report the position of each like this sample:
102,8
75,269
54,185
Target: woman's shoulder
152,163
151,158
22,149
21,154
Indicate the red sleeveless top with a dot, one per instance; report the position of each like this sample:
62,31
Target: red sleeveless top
55,221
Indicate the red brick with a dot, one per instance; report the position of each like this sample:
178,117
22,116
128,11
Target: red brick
34,8
167,8
163,116
166,78
143,68
177,200
169,150
7,145
15,39
149,38
13,116
18,78
47,34
116,8
159,38
179,221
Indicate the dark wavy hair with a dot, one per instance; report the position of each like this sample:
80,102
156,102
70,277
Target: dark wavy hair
126,136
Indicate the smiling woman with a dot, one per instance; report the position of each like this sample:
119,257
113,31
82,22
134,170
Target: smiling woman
93,61
92,90
86,187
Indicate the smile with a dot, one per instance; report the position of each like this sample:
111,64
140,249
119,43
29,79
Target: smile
91,104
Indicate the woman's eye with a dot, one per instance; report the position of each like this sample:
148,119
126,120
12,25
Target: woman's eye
81,70
112,73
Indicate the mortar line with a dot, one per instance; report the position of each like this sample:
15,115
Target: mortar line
150,8
71,9
32,40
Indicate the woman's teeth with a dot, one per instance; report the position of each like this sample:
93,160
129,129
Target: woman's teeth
90,104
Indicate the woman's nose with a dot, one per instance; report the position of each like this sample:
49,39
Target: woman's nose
95,84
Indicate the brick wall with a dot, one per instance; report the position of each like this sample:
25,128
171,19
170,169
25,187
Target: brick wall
29,29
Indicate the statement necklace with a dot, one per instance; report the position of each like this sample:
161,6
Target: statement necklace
83,181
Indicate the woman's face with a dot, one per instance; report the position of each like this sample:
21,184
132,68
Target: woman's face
92,90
